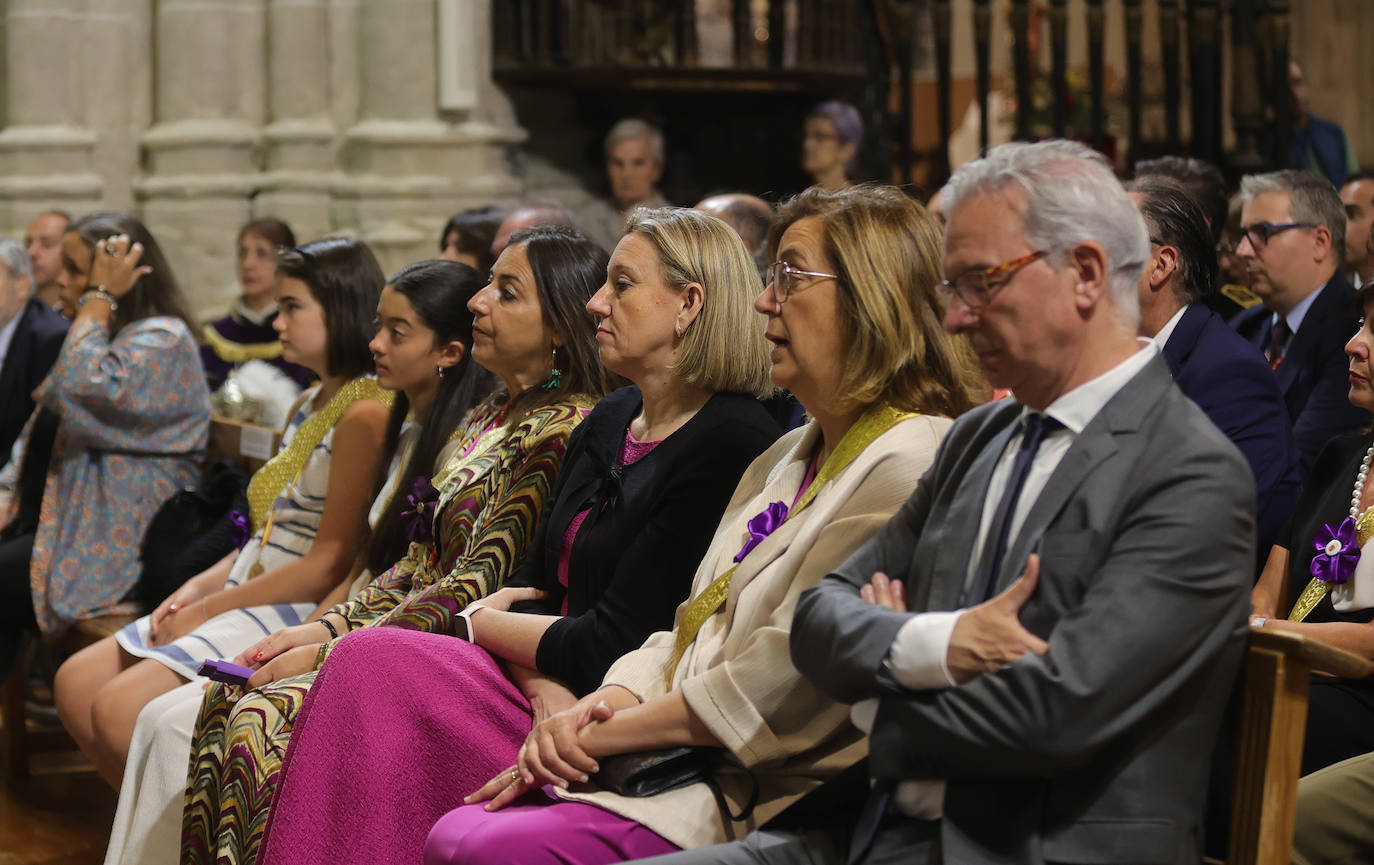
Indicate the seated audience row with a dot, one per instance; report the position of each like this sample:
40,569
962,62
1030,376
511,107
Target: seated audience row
559,585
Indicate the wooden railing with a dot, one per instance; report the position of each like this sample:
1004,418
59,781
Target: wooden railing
866,49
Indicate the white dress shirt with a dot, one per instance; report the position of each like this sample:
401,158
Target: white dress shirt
918,658
1168,329
1299,312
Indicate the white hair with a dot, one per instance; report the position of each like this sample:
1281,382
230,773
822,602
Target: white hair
633,129
1071,196
15,258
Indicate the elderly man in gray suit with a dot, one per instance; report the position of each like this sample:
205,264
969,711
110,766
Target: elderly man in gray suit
1081,555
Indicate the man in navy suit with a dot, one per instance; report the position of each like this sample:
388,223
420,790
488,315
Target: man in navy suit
1226,376
1292,239
31,335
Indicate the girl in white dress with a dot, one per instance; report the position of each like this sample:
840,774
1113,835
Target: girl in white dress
423,333
298,548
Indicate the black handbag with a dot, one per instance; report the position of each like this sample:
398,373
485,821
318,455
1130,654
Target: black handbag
190,532
648,773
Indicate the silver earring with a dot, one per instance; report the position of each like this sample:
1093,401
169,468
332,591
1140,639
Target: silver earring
677,329
441,371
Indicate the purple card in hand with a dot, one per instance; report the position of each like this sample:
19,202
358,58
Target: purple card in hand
223,671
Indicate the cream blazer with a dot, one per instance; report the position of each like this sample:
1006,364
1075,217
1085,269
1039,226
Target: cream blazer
737,676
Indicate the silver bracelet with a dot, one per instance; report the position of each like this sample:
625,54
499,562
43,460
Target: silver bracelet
100,292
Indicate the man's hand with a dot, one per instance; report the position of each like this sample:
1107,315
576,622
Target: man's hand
990,636
882,592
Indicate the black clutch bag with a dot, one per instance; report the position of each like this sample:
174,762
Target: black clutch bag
648,773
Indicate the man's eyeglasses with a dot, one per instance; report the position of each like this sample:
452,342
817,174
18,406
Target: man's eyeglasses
784,278
976,287
1261,232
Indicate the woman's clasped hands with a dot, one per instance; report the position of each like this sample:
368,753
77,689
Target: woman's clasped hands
553,753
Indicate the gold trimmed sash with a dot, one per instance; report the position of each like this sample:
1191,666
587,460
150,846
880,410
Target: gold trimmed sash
872,424
238,352
272,478
1317,589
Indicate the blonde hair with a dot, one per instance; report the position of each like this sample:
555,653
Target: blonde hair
886,249
724,349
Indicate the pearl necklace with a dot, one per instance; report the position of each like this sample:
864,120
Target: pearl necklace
1359,483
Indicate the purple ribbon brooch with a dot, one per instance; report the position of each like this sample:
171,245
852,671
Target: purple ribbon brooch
1337,552
420,515
241,533
762,526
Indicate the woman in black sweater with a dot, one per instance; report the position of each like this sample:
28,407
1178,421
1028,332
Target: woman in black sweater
400,719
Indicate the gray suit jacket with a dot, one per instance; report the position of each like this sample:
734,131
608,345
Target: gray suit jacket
1099,750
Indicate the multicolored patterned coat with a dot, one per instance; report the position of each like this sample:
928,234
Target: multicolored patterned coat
491,497
135,419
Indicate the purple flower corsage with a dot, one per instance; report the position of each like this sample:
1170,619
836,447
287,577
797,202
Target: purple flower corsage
420,515
241,532
1337,552
761,526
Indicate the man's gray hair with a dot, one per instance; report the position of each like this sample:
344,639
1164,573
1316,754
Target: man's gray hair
1071,196
633,129
1311,198
15,258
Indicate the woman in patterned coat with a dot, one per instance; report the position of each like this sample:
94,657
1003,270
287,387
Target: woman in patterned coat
531,330
135,416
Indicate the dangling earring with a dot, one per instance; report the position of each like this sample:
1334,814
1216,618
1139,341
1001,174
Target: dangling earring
441,371
677,329
555,375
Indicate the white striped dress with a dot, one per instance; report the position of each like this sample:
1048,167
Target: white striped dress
297,517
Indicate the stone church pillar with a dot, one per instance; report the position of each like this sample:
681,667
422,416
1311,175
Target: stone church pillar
299,137
47,148
202,153
423,145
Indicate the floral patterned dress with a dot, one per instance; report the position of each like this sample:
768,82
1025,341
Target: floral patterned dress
492,495
135,417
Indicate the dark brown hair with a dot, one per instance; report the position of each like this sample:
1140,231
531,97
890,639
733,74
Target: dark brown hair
274,231
344,277
155,293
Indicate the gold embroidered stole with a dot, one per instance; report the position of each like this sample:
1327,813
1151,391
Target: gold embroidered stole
238,352
1316,589
872,424
272,478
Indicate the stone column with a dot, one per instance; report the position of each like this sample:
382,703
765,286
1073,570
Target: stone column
299,138
46,146
202,154
423,146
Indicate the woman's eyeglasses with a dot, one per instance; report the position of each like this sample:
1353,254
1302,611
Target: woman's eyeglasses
785,278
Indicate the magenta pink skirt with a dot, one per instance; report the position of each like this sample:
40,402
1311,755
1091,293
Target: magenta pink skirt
540,829
399,726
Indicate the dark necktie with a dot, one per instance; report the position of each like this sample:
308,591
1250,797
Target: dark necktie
870,820
1037,426
1278,341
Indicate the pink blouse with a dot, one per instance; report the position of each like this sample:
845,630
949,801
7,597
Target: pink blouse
631,451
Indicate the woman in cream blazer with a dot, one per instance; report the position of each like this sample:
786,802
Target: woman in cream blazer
858,340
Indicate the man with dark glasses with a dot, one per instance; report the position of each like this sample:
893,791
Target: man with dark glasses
1292,240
